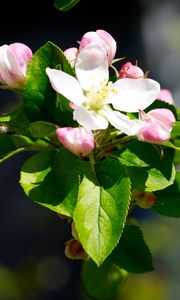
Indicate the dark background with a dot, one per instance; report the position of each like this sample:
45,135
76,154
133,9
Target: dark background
32,262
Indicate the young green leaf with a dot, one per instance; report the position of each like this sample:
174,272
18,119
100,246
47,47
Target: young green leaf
23,141
41,129
171,145
132,253
17,120
101,283
176,131
168,200
7,147
65,5
101,209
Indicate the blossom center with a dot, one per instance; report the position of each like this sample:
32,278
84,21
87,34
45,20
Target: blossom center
96,99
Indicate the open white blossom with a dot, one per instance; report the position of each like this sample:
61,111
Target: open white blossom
92,93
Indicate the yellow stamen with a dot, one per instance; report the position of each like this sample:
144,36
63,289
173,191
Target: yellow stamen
96,99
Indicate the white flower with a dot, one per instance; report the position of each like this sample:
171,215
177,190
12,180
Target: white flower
92,93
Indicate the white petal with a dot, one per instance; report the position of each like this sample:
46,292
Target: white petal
89,119
123,122
134,94
66,85
92,66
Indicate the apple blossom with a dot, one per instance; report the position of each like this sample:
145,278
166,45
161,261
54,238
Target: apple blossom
166,96
77,140
106,40
71,55
14,60
158,125
92,93
128,70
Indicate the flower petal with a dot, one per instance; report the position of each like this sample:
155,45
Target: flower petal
133,95
23,55
11,74
123,122
89,119
66,85
92,66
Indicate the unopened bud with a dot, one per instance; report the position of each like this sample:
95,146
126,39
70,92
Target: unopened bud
128,70
77,140
158,125
144,199
74,250
106,40
14,60
71,54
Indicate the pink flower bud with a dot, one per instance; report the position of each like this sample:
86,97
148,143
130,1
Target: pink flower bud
77,140
106,40
128,70
71,55
144,199
74,250
166,96
14,60
157,125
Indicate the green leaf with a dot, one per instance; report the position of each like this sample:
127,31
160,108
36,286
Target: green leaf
171,145
6,144
41,129
17,120
159,175
64,5
39,97
22,141
176,130
7,147
132,253
69,170
52,178
101,209
168,200
138,154
101,283
5,119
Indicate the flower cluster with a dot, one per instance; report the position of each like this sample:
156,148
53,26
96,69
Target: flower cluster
106,139
95,99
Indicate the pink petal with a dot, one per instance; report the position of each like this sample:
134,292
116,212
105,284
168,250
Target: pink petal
158,126
166,96
77,140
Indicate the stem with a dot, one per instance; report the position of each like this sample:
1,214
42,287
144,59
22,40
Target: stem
117,141
92,162
115,70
